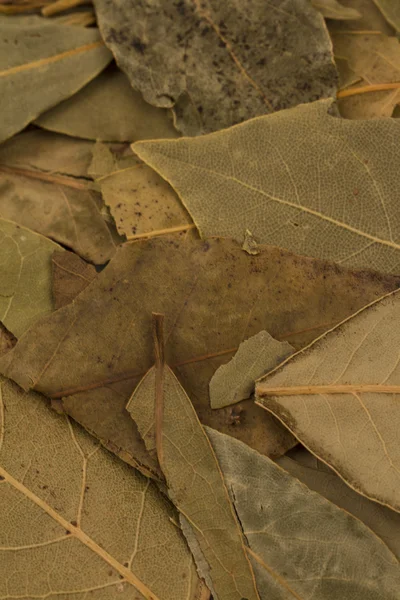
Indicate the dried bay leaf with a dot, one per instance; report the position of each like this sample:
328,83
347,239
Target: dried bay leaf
301,545
83,523
320,478
93,352
108,109
332,9
47,152
340,397
301,179
375,59
217,64
140,201
45,188
25,276
391,11
70,275
43,63
168,423
255,357
371,19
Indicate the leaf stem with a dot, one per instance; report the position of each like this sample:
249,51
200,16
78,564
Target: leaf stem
158,337
364,89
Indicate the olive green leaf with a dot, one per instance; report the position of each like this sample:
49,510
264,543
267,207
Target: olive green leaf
41,64
320,478
75,521
255,357
301,545
93,352
219,63
44,186
332,9
108,109
167,421
391,11
300,178
340,398
25,276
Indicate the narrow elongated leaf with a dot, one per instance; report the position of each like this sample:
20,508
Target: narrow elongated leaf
104,336
25,276
320,478
255,357
301,545
41,64
210,61
300,178
168,424
340,397
77,522
108,109
40,189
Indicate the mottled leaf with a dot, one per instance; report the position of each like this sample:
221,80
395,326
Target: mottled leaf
255,357
77,522
219,63
94,351
301,545
168,423
25,276
320,478
41,64
70,275
340,397
108,109
301,179
140,201
43,186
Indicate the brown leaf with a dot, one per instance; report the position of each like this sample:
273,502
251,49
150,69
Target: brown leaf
44,187
219,63
71,275
94,351
391,11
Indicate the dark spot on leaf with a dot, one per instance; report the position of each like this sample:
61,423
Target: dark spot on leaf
138,45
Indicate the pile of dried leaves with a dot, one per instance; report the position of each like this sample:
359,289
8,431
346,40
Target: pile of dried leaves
199,273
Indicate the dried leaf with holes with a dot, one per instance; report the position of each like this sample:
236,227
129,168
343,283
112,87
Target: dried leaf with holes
300,544
219,63
168,423
109,110
83,523
25,276
44,186
93,352
320,478
340,398
300,178
43,63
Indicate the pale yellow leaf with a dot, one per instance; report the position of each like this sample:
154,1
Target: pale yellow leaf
301,178
302,546
391,11
75,521
340,397
25,276
41,64
332,9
